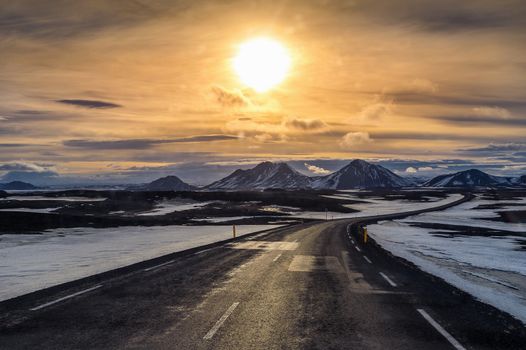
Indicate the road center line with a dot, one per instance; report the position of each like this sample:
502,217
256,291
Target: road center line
65,298
367,259
220,322
157,266
388,279
277,257
357,248
441,330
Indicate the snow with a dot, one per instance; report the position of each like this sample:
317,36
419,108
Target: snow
465,214
32,262
224,219
375,206
31,210
492,269
43,198
167,207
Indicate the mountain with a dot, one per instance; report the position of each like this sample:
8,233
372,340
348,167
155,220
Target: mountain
360,174
17,186
167,183
522,180
468,178
3,194
264,175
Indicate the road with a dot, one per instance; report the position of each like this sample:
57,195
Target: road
310,286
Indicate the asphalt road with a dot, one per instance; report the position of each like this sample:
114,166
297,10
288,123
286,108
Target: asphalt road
304,287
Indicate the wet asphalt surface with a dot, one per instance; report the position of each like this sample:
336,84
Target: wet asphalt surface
311,286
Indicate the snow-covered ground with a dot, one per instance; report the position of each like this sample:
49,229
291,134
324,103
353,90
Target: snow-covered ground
33,262
376,206
223,219
492,269
32,210
166,207
465,214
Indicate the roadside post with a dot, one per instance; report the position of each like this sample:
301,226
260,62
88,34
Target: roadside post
234,231
365,234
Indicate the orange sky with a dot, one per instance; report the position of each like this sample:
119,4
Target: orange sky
111,88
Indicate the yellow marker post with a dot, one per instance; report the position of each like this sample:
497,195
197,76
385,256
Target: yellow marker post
365,235
234,231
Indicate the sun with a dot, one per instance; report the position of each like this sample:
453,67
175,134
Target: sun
262,63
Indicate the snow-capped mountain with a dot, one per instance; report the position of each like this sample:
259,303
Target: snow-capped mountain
360,174
264,175
469,178
167,183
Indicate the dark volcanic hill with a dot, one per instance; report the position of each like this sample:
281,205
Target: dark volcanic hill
17,186
360,174
468,178
264,175
168,183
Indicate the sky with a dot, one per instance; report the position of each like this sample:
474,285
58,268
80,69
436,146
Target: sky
126,91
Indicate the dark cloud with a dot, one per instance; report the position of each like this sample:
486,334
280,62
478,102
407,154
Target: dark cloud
90,103
14,145
470,120
139,144
388,135
505,147
445,15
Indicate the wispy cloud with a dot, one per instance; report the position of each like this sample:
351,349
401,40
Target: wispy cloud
137,144
90,103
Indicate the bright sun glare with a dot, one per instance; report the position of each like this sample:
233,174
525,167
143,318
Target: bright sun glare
262,63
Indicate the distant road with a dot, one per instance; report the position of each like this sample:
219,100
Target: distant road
311,286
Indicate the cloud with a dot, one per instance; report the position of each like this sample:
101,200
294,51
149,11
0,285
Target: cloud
352,139
316,169
304,124
495,149
375,111
24,166
138,144
496,112
90,104
411,170
474,120
230,98
265,131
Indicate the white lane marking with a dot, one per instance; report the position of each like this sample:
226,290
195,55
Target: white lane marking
357,248
441,330
157,266
388,279
65,298
277,257
367,259
220,322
